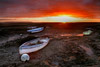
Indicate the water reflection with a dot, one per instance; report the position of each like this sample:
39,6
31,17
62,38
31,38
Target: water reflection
71,34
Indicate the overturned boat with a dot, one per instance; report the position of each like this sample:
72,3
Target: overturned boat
33,45
35,30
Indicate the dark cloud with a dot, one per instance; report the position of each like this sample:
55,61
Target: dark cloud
29,8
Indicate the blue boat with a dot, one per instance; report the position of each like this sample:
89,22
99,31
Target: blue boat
36,30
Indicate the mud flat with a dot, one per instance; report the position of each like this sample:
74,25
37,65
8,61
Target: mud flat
62,51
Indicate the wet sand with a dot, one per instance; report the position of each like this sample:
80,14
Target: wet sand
62,51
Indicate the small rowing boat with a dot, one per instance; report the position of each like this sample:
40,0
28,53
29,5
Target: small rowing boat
35,30
33,45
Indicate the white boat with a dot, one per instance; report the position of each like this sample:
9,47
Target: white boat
89,32
33,45
35,30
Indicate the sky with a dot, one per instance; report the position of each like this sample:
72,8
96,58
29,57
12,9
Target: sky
41,8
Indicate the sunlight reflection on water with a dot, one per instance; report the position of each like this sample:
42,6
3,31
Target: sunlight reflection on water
71,34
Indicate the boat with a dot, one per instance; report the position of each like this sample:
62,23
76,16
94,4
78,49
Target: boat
35,30
33,45
89,32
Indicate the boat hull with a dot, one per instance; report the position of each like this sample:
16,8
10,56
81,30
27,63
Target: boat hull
36,30
24,48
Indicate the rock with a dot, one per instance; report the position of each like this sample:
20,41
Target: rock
25,57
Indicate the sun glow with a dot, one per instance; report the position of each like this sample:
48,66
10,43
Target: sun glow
64,15
57,18
62,18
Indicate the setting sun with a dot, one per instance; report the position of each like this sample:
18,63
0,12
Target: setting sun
64,17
